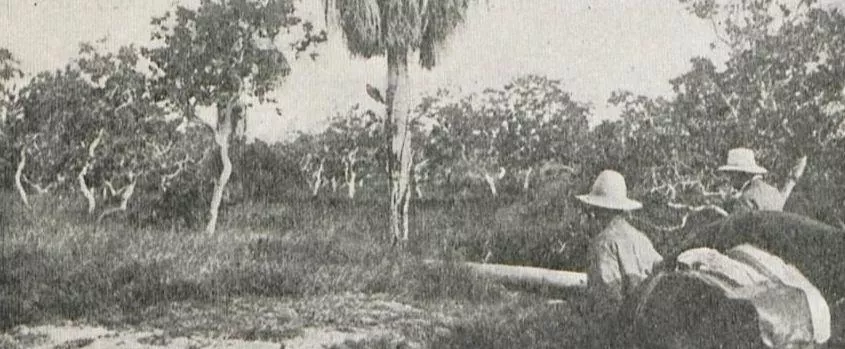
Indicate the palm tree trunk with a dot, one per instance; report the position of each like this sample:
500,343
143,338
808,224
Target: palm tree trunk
222,137
399,129
18,175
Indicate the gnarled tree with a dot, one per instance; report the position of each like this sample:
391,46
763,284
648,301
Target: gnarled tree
215,56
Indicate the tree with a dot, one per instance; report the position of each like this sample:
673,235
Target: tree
213,57
9,72
94,121
58,130
397,28
136,134
475,139
779,93
545,124
352,141
530,123
741,24
312,155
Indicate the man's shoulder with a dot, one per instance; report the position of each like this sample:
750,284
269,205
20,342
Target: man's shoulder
760,184
619,230
759,188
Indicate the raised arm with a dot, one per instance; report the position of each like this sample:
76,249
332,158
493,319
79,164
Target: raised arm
794,175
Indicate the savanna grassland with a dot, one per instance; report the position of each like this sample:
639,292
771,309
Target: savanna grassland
276,270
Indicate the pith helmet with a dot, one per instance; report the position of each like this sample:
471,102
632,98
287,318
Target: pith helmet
609,191
742,160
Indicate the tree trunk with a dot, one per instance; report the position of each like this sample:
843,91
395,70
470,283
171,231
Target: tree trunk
222,136
318,179
349,173
491,183
86,191
526,182
492,179
125,196
418,178
18,175
350,182
83,186
399,129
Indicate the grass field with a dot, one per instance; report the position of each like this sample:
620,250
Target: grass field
327,262
277,271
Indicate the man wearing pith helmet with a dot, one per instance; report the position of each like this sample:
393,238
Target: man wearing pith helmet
747,177
621,256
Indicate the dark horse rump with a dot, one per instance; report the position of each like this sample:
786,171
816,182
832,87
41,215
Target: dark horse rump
815,248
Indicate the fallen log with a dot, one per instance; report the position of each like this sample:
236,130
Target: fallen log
527,275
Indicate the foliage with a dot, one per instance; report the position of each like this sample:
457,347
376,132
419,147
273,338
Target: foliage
215,56
221,49
782,97
9,72
528,123
372,26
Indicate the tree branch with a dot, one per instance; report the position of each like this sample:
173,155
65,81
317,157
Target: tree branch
734,112
701,208
127,192
180,166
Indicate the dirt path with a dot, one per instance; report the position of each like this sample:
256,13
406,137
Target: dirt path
71,336
317,323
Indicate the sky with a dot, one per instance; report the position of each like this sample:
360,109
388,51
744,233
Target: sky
594,47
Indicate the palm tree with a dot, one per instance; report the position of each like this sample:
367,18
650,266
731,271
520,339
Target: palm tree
397,29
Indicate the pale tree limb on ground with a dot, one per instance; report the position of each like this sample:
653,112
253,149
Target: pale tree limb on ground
521,274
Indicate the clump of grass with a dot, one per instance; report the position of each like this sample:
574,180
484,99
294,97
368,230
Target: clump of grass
530,324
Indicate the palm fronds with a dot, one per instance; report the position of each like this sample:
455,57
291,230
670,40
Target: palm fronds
372,26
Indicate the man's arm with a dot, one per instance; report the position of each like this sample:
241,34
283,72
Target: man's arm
794,175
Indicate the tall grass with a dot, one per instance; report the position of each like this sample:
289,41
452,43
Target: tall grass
54,263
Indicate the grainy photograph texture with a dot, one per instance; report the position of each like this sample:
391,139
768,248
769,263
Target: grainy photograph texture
426,174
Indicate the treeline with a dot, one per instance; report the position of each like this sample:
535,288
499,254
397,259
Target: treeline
98,130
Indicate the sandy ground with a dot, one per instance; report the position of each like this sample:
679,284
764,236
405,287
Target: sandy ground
251,323
71,336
